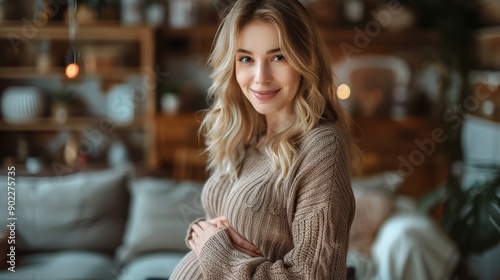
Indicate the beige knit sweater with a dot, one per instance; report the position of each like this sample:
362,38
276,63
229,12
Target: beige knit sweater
302,230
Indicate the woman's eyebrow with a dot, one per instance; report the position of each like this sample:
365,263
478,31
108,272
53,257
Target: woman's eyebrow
268,52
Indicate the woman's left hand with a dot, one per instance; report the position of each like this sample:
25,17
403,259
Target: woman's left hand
200,233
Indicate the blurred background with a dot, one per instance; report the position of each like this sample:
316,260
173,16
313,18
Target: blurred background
95,83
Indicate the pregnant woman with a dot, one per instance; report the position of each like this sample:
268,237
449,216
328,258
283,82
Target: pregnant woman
279,203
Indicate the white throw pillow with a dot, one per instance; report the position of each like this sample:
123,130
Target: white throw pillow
387,182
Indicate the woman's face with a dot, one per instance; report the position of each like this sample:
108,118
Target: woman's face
266,78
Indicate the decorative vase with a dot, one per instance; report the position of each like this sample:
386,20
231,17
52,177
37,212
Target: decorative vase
70,151
60,112
155,14
131,12
121,104
22,104
170,103
117,154
354,11
183,13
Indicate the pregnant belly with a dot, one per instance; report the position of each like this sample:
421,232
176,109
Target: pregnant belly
188,268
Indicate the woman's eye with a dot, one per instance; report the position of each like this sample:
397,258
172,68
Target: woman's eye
278,58
245,59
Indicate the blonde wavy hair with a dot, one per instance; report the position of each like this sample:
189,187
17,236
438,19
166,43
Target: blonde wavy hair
231,123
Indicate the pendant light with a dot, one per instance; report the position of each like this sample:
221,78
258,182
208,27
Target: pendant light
72,68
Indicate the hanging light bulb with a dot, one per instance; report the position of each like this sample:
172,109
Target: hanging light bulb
72,68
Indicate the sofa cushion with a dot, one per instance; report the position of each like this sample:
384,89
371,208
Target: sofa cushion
159,265
68,265
82,211
160,214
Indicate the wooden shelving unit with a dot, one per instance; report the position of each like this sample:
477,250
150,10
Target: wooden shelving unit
160,130
100,32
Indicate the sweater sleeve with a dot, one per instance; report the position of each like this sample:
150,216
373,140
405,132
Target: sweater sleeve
324,209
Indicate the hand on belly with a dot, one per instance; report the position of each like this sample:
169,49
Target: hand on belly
199,234
201,231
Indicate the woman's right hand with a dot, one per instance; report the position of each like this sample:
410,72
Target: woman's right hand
239,242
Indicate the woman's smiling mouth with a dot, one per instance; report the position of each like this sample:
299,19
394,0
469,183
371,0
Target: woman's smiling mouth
265,94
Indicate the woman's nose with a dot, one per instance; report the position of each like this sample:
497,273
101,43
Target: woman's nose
262,74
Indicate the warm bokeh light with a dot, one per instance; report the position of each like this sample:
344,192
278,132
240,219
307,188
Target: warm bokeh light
72,70
343,92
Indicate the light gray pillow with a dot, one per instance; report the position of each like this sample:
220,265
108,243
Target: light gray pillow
161,211
82,211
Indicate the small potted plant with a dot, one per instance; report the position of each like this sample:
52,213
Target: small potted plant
471,215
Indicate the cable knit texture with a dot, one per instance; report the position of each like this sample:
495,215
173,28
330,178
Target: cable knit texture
302,228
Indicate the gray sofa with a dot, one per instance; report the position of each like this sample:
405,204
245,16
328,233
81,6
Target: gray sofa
109,224
99,224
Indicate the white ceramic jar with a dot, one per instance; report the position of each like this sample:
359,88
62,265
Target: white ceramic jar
182,13
22,104
121,104
131,13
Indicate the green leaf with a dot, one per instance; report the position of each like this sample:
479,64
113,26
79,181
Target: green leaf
477,222
431,199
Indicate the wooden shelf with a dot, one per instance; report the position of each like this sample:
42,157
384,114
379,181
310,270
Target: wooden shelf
392,38
73,124
59,31
490,32
192,32
58,73
331,35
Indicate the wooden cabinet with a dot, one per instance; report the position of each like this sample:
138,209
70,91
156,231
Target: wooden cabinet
410,149
108,55
174,132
